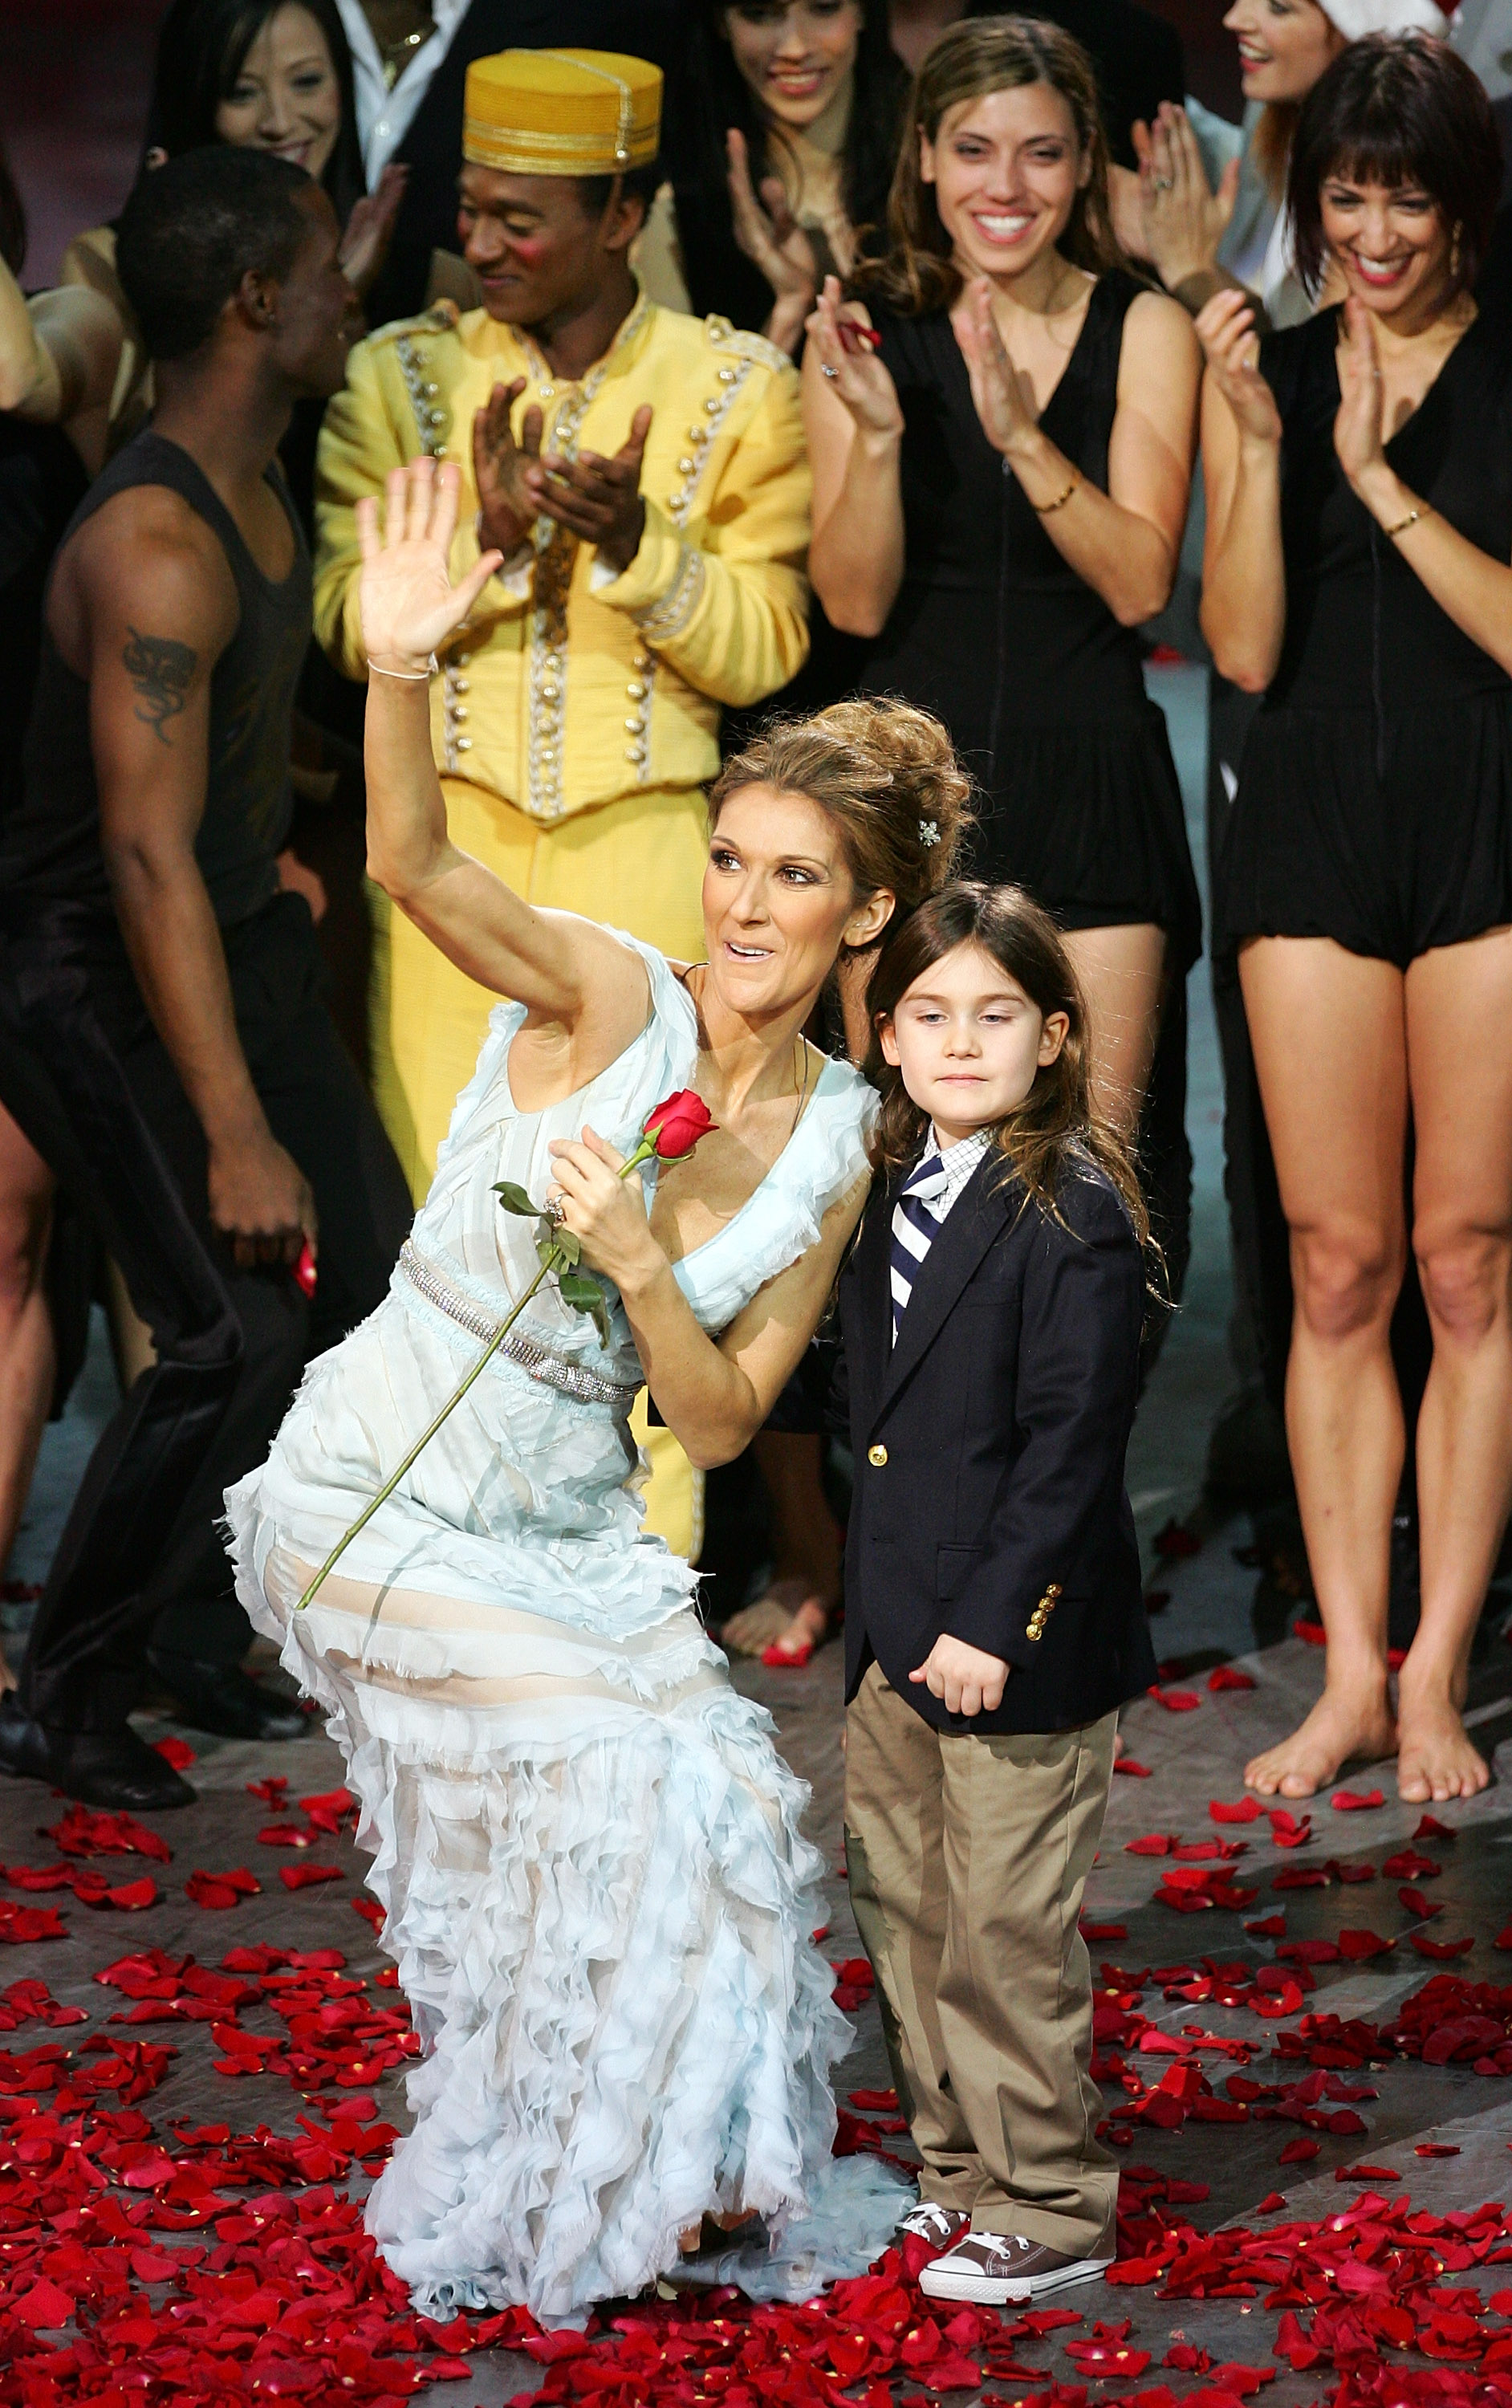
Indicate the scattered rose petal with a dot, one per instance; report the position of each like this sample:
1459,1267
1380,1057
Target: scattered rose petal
1243,1810
1436,2149
1225,1676
1127,1765
1300,2153
176,1752
303,1876
1356,1802
1176,1701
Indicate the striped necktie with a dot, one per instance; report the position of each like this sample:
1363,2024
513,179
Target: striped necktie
914,1230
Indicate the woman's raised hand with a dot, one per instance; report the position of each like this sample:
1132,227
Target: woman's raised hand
772,240
1359,429
840,334
1183,219
407,600
1004,396
1226,330
365,244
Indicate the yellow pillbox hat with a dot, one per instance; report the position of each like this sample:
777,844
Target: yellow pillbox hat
561,112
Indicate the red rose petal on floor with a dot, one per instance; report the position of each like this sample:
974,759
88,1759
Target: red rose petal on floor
1268,2205
1366,2173
1268,1927
370,1910
1437,2149
1441,1949
44,2307
1151,1843
286,1835
1176,1542
1504,1939
1357,1944
1105,1931
304,1876
1224,1676
1300,2153
1431,1829
1356,1802
875,2102
131,1895
1312,1634
1176,1701
1243,1810
1414,1902
176,1752
222,1889
1136,1772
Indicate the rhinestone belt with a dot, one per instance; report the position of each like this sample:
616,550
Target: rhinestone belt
554,1371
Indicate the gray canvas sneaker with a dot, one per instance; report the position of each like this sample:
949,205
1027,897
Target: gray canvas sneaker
993,2268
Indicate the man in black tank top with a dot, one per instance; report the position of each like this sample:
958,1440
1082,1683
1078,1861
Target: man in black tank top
163,1040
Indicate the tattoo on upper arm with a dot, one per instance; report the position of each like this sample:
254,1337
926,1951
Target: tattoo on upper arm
161,670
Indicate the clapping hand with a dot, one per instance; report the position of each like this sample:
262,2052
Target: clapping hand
365,244
1003,395
772,240
1226,330
510,496
1183,219
1359,429
849,364
599,500
408,601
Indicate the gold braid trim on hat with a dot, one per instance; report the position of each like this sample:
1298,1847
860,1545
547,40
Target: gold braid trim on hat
528,151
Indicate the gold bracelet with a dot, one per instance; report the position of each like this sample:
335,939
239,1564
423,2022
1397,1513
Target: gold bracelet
1411,520
1044,509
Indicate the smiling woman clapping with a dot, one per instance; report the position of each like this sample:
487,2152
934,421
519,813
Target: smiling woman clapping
1359,531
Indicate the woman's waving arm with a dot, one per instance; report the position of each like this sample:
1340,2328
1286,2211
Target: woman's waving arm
566,970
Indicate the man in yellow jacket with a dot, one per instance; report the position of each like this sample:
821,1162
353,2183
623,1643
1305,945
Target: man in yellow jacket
644,474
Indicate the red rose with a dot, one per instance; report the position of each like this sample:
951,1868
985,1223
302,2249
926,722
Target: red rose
678,1123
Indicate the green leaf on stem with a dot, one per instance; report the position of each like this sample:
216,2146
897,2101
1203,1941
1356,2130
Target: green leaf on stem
514,1199
582,1290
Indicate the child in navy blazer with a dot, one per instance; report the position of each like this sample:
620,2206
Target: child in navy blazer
990,1315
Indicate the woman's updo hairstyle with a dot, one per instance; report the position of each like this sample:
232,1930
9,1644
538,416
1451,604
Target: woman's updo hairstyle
888,778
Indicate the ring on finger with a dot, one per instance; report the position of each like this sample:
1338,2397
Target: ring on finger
826,370
555,1210
1165,183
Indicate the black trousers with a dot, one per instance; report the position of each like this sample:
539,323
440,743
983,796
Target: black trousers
85,1074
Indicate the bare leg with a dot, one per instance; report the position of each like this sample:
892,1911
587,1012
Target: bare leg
1462,1105
794,1616
1123,974
27,1359
1329,1033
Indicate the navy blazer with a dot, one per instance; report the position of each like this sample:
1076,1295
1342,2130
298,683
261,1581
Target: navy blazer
990,1448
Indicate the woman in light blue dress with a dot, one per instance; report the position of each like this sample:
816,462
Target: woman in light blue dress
585,1842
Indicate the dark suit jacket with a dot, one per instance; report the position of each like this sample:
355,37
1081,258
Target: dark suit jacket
431,149
1137,56
988,1452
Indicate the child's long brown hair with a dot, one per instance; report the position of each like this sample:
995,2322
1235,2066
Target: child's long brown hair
1058,1119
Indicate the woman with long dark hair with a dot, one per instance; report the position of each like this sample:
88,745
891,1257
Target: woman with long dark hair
1359,535
272,75
782,149
1001,431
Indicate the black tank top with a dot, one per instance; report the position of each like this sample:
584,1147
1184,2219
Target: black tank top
52,844
992,629
1362,632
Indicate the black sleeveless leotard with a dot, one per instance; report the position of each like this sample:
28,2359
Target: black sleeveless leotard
1040,687
50,844
1375,797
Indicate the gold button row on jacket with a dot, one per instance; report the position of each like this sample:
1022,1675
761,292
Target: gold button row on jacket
877,1456
1043,1611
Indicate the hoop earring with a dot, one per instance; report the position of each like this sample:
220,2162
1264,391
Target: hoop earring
1454,250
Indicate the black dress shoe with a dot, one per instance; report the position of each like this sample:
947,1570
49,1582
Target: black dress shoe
114,1768
222,1698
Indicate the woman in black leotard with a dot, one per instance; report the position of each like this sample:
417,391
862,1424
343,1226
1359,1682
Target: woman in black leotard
999,494
1359,531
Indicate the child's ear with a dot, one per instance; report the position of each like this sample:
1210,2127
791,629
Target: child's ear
886,1039
1053,1033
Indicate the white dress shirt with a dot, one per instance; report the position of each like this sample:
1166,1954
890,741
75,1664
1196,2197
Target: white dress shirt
384,116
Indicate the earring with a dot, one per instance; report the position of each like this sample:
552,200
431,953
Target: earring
1454,249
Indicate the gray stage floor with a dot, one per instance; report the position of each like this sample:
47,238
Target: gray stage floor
1194,1757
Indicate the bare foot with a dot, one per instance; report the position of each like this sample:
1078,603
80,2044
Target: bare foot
1341,1724
791,1619
1435,1758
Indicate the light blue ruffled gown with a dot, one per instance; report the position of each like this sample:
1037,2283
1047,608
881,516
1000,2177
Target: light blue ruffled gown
586,1845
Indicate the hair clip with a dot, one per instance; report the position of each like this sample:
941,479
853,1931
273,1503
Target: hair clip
929,831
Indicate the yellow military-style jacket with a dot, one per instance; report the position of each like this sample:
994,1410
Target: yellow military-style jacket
569,686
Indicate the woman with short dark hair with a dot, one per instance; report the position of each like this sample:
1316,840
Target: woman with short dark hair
1358,533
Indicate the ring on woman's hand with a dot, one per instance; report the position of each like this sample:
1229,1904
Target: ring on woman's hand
826,370
555,1210
1165,183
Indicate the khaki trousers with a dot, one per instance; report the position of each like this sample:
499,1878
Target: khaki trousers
967,1858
